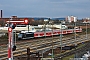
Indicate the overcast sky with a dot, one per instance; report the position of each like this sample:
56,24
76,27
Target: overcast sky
45,8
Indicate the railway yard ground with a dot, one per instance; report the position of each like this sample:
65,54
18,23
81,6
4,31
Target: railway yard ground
39,45
66,55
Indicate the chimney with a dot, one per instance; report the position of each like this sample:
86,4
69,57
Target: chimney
1,13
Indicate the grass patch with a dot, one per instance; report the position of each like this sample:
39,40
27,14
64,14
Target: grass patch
81,45
68,57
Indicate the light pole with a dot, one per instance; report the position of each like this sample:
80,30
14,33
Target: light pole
52,41
61,38
44,27
75,38
86,29
75,20
51,22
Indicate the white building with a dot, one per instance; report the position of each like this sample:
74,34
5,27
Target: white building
71,19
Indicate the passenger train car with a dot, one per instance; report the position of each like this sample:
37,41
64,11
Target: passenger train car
28,35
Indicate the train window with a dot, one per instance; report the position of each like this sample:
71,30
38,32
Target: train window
23,35
29,34
19,35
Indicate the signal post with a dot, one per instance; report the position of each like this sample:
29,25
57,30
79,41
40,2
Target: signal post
9,43
11,46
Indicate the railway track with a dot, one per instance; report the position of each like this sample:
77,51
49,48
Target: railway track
41,45
74,51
